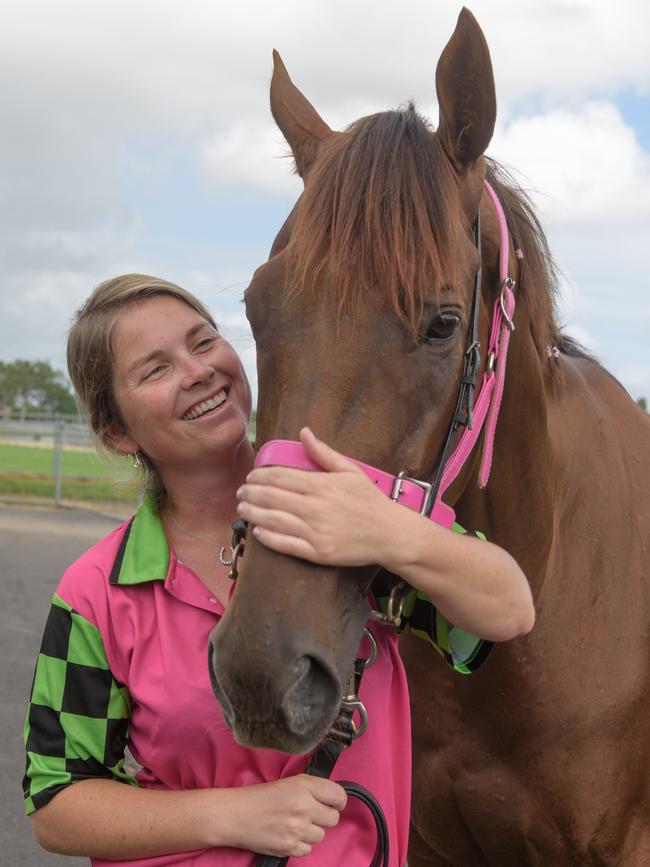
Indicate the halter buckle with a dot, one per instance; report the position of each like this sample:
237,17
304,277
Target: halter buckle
398,489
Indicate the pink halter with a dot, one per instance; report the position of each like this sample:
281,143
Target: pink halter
413,492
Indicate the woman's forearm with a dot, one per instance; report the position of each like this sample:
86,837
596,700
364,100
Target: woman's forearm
111,820
477,586
108,819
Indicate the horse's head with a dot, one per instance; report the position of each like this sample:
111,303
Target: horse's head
360,318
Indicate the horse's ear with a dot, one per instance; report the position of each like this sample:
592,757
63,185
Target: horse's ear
301,125
466,95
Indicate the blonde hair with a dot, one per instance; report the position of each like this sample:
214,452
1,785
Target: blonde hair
91,359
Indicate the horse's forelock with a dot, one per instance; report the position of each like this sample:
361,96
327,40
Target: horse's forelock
380,213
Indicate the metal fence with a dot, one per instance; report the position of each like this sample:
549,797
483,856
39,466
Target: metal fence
40,427
57,431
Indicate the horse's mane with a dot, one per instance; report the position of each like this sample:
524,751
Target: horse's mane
538,277
382,214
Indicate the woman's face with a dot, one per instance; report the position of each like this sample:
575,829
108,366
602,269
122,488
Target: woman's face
180,387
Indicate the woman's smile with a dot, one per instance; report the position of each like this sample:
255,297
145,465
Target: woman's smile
206,406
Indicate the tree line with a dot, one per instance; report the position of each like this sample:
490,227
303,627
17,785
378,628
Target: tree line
34,386
37,387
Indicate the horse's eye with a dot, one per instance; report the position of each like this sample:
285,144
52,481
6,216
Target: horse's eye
442,327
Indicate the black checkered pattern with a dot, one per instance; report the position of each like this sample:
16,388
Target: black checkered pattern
77,722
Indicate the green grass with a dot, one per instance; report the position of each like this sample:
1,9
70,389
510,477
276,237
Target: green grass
29,471
81,464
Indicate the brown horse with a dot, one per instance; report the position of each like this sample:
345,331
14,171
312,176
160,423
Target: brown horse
541,757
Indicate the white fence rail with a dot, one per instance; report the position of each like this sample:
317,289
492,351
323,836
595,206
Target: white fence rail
55,431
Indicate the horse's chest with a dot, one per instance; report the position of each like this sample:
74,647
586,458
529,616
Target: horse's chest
512,770
473,810
470,803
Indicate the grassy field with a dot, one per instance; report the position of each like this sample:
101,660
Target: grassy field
29,470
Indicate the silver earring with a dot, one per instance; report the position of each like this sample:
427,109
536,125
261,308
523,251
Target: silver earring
137,460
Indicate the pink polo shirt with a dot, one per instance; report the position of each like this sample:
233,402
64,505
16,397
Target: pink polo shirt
154,617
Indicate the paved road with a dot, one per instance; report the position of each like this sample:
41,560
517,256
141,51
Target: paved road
36,545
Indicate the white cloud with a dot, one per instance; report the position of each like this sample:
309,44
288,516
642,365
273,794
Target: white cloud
93,94
249,158
585,165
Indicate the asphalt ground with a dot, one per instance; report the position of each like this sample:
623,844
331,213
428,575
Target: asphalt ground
36,546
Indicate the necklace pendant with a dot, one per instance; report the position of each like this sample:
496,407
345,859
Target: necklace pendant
222,559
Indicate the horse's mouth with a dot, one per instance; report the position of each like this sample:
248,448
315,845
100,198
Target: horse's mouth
270,730
263,734
295,725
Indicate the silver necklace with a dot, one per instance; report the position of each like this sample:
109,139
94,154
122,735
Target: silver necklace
185,532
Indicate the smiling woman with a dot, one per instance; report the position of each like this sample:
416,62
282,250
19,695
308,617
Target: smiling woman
123,660
92,351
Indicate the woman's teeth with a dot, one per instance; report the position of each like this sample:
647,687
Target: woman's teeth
206,406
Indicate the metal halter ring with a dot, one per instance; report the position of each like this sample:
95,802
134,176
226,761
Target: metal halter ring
395,604
352,703
237,552
373,648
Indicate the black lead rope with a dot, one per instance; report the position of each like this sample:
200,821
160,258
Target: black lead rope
354,790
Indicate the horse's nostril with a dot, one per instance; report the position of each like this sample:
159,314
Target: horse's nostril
313,696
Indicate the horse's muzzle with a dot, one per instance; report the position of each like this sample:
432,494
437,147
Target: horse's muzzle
265,709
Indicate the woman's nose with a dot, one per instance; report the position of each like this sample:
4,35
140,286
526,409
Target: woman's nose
196,371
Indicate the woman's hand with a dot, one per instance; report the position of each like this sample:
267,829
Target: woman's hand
335,518
286,817
339,518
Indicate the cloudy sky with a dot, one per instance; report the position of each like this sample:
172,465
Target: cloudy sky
136,136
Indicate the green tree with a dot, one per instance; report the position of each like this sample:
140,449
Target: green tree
643,404
34,385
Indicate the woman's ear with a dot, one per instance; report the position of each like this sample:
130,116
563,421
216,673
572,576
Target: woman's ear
119,440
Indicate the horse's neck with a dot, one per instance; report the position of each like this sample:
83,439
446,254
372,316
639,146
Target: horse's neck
561,464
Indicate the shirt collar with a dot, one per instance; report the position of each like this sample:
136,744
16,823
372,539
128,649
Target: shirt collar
143,554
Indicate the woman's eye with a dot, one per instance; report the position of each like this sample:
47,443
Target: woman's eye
150,374
206,343
442,328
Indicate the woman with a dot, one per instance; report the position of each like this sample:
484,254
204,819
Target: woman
123,655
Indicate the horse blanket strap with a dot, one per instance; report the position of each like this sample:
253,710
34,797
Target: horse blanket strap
401,488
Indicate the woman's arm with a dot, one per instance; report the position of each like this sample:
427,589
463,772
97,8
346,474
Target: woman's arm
110,820
474,584
339,518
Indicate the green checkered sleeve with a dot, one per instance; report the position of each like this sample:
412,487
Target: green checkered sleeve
460,650
77,721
